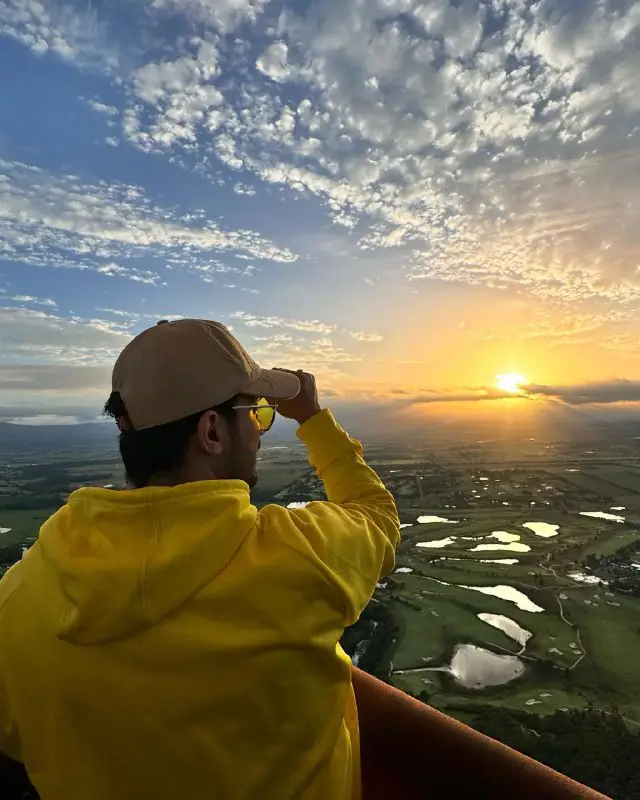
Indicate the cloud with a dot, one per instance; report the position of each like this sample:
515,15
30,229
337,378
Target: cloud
495,149
309,326
223,15
597,392
593,393
362,336
243,189
53,377
470,395
103,108
29,336
492,149
273,62
57,413
320,356
59,221
302,325
37,301
71,31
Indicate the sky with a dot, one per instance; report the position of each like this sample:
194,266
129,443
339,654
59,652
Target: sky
406,198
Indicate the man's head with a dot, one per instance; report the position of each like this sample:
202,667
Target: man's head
184,397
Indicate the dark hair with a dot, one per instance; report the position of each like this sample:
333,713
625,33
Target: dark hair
161,449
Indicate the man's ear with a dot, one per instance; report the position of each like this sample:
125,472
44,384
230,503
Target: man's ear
210,433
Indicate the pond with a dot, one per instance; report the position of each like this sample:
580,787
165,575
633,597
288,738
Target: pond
544,529
508,541
475,668
508,626
426,519
504,536
602,515
438,543
508,593
516,547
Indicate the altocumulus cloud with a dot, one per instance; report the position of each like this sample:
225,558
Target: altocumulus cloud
59,221
496,142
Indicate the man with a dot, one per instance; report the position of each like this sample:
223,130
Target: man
172,641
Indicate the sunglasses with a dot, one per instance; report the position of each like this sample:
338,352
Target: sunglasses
263,412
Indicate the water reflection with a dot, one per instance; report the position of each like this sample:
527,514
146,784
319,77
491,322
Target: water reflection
475,668
510,594
438,543
544,529
602,515
427,518
504,536
508,541
508,626
509,561
516,547
298,504
404,569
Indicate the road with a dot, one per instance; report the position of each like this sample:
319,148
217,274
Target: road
545,565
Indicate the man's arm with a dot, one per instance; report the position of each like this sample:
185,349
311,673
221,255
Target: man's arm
355,533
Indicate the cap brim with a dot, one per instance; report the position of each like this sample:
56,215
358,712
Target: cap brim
275,384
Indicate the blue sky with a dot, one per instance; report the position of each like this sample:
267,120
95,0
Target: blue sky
405,197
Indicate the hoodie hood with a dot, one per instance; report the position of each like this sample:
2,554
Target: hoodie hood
122,560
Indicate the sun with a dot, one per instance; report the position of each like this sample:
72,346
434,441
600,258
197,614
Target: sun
511,382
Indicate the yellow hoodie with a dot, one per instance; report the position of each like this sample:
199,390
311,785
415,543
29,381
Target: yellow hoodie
178,643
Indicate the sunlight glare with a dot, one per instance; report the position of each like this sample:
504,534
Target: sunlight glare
511,382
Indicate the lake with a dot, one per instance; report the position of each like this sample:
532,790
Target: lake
504,536
438,543
544,529
508,593
476,668
602,515
516,547
508,626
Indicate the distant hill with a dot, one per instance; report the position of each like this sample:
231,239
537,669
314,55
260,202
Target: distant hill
20,438
55,437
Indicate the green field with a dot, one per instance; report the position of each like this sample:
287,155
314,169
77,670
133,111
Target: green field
23,523
590,656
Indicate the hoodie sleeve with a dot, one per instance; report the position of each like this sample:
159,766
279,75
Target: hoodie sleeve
355,533
9,737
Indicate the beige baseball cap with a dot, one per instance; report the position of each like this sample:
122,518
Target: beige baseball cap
178,368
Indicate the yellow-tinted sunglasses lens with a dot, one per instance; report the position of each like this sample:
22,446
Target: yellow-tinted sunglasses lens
265,414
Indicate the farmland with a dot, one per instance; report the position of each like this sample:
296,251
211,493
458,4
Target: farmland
485,533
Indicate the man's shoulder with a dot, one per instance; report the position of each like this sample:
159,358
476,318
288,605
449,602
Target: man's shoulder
288,525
